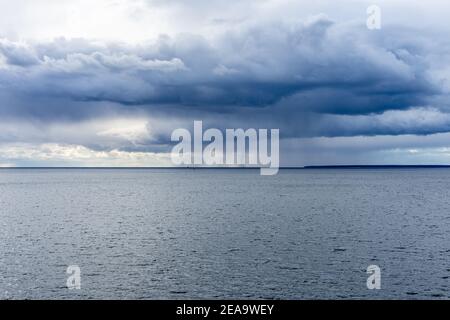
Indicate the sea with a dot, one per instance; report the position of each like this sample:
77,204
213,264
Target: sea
224,233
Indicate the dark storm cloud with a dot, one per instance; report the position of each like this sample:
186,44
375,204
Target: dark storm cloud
317,66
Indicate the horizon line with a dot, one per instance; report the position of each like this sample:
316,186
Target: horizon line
240,168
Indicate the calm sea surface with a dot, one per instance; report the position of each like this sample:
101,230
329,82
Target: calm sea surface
151,234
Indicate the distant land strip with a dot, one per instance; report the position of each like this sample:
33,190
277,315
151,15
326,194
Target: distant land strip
248,168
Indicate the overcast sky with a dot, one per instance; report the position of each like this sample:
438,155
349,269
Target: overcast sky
104,83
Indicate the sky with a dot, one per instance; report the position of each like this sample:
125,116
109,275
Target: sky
105,82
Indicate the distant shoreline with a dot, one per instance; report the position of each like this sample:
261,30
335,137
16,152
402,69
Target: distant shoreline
246,168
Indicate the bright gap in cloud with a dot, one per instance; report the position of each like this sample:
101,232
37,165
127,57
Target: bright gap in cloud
52,154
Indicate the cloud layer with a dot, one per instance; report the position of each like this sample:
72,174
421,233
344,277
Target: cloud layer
311,77
317,65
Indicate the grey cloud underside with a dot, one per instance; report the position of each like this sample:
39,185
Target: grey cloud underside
314,78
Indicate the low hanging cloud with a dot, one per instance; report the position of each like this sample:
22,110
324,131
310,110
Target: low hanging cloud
318,66
76,155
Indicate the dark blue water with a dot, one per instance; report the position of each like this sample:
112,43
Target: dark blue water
151,234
